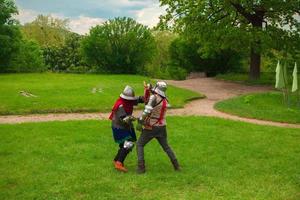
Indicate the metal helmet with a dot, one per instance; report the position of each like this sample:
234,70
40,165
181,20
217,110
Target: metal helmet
161,88
128,93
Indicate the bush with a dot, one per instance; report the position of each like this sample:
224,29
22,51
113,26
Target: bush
79,69
270,59
176,72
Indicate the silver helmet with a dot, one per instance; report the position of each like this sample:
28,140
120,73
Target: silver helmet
161,88
128,93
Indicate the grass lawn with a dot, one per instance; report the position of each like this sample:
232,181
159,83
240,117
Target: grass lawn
72,93
265,78
267,106
221,160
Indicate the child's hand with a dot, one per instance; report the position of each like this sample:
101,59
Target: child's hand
147,85
129,119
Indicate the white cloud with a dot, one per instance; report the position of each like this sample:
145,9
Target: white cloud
131,3
125,3
26,15
150,15
82,24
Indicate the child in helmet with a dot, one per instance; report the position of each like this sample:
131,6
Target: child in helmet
153,120
122,127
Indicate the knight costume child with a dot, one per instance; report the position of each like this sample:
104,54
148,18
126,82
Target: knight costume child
122,127
153,120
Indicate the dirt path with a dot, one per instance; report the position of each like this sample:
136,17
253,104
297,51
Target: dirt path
215,90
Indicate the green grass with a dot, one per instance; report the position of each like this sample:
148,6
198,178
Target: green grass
266,106
265,79
221,160
62,93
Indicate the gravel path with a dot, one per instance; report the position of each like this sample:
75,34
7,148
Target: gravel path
215,90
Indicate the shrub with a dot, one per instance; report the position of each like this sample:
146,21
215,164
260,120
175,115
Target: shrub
176,72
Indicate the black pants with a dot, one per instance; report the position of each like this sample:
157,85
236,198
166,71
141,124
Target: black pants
122,153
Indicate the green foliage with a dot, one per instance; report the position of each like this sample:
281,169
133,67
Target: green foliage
163,40
267,78
65,57
60,46
221,160
186,54
176,72
239,25
120,45
271,58
161,64
28,58
266,106
10,41
47,30
16,53
80,69
10,35
65,93
7,10
176,56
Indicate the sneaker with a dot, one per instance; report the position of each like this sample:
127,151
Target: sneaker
120,167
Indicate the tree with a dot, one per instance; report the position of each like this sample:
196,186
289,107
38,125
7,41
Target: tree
61,58
17,54
7,10
47,30
251,25
163,40
28,58
120,45
10,35
161,59
185,53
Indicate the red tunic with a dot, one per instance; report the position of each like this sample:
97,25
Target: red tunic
127,105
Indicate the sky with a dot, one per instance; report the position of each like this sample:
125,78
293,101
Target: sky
84,14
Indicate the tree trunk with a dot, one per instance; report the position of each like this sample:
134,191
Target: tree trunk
255,55
254,73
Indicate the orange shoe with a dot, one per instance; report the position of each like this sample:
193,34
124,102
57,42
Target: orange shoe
120,167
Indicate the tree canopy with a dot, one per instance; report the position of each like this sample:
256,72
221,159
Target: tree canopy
254,26
120,45
9,33
47,30
66,56
7,10
16,53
